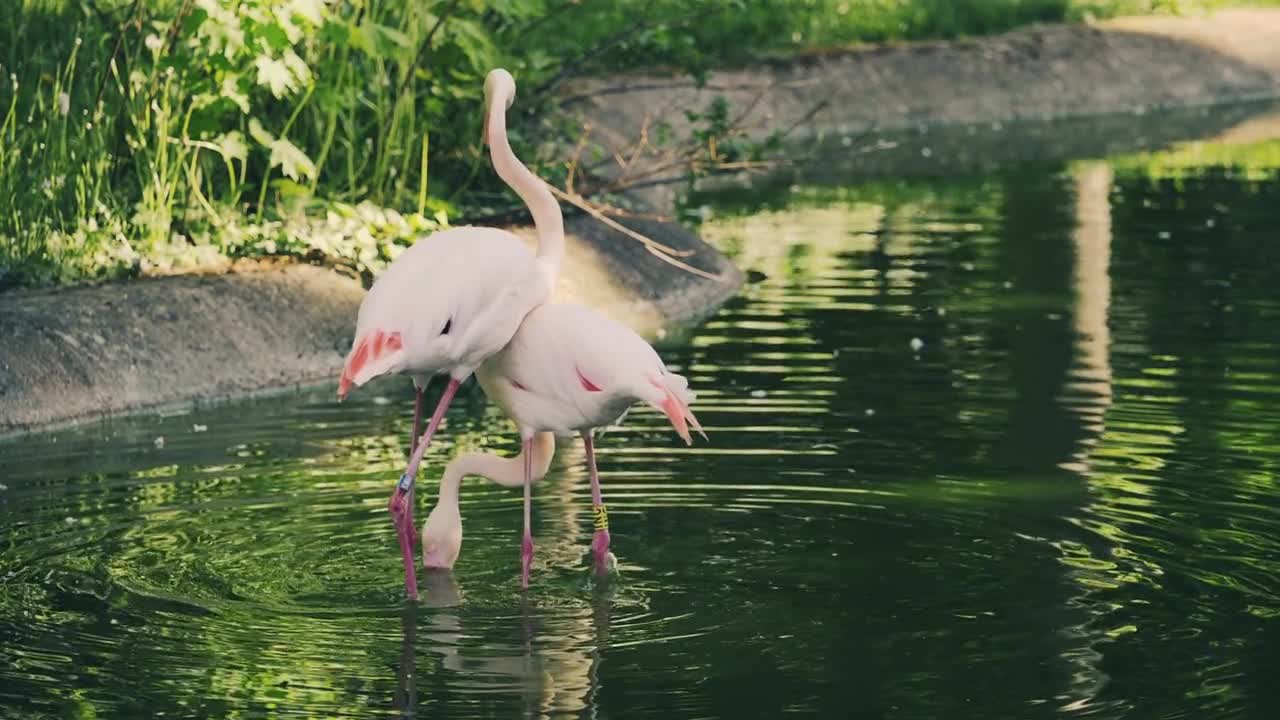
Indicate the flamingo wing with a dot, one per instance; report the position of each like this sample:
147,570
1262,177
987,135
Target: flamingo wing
595,359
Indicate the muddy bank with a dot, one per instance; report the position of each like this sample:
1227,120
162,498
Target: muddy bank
90,352
1131,66
967,149
94,351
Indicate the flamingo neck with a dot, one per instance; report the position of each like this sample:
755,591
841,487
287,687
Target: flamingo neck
531,189
508,472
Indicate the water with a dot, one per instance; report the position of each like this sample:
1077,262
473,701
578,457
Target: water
983,445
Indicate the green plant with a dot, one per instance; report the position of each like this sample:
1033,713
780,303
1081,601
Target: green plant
136,133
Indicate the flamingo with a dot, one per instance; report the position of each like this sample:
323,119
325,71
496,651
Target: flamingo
442,532
567,369
452,300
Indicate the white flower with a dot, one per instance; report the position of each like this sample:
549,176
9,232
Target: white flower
275,75
153,43
64,104
292,161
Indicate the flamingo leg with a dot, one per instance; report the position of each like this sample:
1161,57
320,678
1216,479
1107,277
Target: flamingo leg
401,503
526,545
599,541
404,534
419,399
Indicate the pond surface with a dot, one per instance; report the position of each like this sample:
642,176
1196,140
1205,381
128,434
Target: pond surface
1000,445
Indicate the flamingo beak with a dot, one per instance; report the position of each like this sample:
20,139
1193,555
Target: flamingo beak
673,412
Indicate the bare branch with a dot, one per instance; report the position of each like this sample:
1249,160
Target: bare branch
641,144
581,203
577,155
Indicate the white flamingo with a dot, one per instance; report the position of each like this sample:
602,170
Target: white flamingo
567,369
453,299
442,532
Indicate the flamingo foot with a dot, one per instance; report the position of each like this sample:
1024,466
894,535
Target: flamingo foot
406,554
401,509
526,561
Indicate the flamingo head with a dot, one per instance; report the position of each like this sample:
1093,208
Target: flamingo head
497,84
442,536
669,394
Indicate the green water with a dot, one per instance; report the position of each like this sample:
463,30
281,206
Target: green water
1060,500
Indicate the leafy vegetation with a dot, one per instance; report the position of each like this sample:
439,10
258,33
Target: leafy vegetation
143,137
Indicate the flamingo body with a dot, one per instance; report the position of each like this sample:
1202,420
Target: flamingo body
447,303
570,369
453,299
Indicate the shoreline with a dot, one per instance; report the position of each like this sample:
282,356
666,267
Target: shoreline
83,353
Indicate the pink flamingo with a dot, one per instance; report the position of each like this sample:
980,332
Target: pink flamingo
567,369
453,299
442,532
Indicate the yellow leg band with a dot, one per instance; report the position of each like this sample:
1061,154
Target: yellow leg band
601,517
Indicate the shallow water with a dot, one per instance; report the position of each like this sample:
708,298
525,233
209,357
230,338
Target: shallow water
995,445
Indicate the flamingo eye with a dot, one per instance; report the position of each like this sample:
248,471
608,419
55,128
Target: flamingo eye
448,324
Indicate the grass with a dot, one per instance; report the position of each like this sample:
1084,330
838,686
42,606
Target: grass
152,136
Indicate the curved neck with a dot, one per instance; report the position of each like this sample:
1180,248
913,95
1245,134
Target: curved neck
531,189
508,472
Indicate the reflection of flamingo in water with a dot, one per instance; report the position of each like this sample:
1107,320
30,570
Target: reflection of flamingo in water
454,299
558,674
567,369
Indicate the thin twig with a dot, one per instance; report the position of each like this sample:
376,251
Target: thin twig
426,44
818,107
689,155
106,74
577,154
737,122
684,266
177,25
527,29
645,84
623,212
581,203
641,144
572,67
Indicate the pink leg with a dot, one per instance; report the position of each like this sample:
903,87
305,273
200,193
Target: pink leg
404,534
419,399
600,541
526,546
401,503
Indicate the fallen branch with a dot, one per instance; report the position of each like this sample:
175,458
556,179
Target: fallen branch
665,253
581,203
